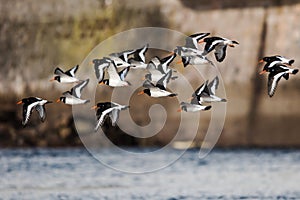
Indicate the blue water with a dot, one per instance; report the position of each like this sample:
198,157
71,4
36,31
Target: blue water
224,174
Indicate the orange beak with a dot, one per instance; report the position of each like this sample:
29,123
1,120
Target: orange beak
179,110
143,78
262,72
58,100
93,108
141,92
201,41
261,61
19,102
101,83
52,79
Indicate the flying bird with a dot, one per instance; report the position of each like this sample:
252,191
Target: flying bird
116,79
121,59
275,74
67,76
219,44
193,40
206,93
277,59
105,109
99,66
73,97
31,103
158,90
157,68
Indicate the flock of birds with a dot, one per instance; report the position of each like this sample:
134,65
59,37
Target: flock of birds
117,66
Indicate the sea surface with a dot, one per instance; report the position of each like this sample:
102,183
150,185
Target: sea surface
223,174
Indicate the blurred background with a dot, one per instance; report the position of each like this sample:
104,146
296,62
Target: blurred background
38,36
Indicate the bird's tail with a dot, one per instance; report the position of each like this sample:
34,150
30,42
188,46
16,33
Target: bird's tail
173,95
295,71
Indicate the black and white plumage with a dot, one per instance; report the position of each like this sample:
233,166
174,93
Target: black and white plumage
275,74
31,103
165,63
67,76
190,53
193,40
193,107
73,97
105,109
116,79
195,60
139,54
219,44
206,93
121,59
271,61
157,68
99,66
138,61
158,90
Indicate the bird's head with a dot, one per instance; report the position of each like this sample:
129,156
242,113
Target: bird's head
61,99
145,91
233,43
104,82
55,78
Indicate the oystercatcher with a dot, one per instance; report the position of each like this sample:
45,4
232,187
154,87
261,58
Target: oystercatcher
158,90
67,76
31,103
115,79
73,97
158,68
275,73
207,92
193,40
105,109
273,60
218,44
100,65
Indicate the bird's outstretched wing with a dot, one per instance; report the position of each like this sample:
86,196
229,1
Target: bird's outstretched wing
72,71
148,84
58,71
192,40
162,83
102,117
114,116
200,89
99,68
213,85
27,111
139,54
124,73
76,90
41,110
112,72
165,62
273,80
220,52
